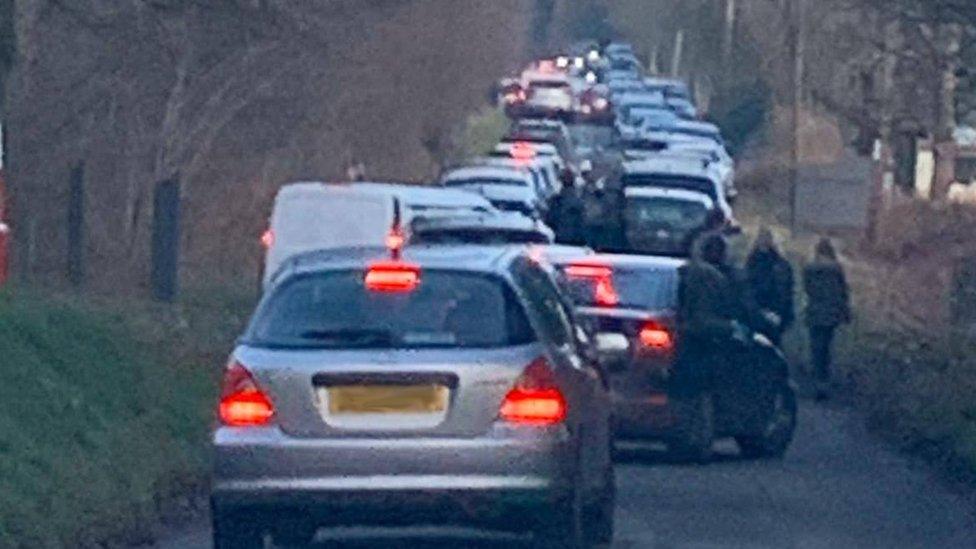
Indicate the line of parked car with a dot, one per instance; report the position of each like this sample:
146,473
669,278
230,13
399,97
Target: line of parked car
432,355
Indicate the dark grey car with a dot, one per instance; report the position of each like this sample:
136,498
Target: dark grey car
664,390
447,387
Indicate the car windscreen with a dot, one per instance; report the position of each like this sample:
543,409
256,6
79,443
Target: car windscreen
644,288
479,236
699,184
658,115
651,213
335,310
484,181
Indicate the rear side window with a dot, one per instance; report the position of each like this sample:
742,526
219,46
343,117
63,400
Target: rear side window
647,289
545,304
479,236
334,310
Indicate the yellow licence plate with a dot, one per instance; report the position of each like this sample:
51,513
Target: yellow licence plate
387,399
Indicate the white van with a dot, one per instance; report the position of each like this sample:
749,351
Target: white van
313,216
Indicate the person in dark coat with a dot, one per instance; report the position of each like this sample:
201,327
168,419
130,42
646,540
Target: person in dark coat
828,306
708,311
566,213
595,214
770,282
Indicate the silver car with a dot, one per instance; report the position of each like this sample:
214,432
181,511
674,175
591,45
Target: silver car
449,386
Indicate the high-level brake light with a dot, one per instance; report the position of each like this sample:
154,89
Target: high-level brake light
242,402
392,277
585,271
523,151
535,399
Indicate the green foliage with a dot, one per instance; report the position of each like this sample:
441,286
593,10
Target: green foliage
589,19
481,131
104,413
741,111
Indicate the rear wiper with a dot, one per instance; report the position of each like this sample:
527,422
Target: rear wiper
353,337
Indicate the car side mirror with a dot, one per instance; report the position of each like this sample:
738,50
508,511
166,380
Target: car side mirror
613,351
733,230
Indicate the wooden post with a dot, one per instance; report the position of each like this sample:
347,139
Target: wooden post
728,44
883,155
679,44
796,46
165,240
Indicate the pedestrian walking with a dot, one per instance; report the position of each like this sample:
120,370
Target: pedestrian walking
595,215
770,282
828,306
566,213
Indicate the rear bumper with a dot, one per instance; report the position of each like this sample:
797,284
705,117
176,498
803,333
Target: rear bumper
336,480
645,418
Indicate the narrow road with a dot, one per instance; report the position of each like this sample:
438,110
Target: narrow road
837,488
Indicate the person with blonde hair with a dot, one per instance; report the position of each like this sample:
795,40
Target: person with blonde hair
828,306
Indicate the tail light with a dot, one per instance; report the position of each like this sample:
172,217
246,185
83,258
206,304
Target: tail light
535,399
657,337
601,276
267,239
604,294
242,402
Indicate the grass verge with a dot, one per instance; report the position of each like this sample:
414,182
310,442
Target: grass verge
105,409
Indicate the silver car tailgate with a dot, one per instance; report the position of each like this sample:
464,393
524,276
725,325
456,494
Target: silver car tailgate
376,393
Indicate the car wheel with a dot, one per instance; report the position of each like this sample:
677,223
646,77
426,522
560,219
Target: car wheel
237,531
778,427
695,430
561,525
600,513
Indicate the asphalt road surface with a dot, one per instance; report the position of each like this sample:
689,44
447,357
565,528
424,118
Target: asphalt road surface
838,487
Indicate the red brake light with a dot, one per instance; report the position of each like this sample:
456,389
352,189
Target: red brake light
522,151
392,277
657,337
604,293
242,402
535,399
267,239
588,271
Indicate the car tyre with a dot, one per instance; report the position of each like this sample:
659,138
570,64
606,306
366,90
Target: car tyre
695,430
778,427
600,514
237,531
561,525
